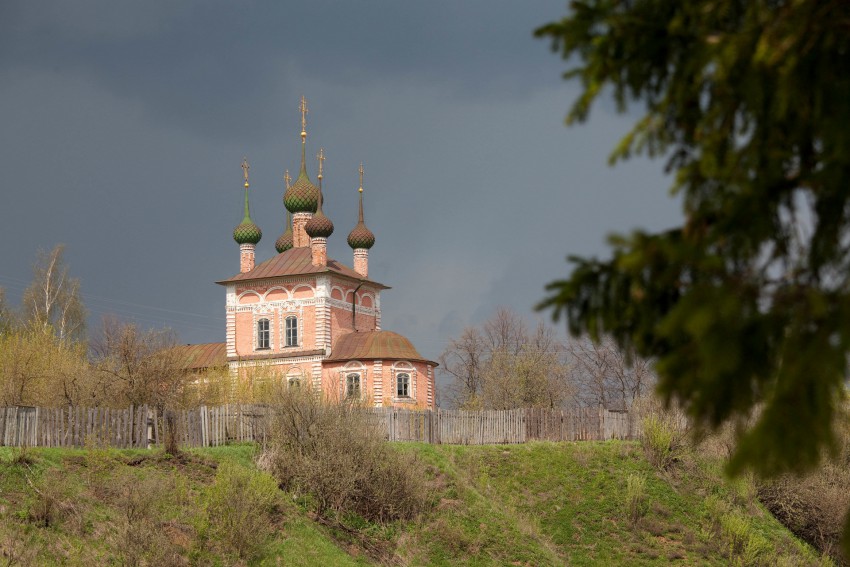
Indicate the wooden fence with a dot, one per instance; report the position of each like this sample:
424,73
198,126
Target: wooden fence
458,427
204,426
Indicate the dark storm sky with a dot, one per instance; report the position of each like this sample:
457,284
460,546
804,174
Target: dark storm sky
122,127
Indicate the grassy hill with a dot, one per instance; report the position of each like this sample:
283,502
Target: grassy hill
536,504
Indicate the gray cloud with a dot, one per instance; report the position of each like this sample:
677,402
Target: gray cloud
123,126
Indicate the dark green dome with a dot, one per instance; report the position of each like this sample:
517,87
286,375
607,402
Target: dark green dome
302,196
319,226
247,232
361,237
284,241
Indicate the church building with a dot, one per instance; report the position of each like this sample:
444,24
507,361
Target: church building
310,320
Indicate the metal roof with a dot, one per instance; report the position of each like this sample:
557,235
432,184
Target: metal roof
205,355
294,262
386,345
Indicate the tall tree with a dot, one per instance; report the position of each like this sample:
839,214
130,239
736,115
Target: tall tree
140,366
502,365
604,375
747,303
53,298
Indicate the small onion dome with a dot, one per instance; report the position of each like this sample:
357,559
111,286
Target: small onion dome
247,232
319,225
360,236
284,241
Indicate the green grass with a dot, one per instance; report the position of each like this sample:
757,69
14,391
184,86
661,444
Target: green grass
532,504
90,515
567,503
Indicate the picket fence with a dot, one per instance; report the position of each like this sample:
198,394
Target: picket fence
204,426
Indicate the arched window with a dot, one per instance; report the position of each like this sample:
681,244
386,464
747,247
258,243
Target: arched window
291,331
293,377
352,385
402,385
263,334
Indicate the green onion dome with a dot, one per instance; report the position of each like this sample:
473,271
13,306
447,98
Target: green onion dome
247,232
360,236
319,226
284,241
302,196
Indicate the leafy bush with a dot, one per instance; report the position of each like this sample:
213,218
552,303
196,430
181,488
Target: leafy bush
334,453
662,442
664,431
239,506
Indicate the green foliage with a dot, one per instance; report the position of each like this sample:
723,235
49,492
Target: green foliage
36,368
239,505
662,441
746,304
636,502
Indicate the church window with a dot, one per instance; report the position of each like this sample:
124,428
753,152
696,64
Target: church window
291,331
263,334
293,377
352,386
402,382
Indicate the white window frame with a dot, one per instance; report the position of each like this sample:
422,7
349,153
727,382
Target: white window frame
267,332
294,377
398,382
288,333
359,376
399,369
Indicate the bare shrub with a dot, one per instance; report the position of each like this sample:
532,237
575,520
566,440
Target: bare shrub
50,502
140,366
239,505
137,499
812,507
335,454
17,545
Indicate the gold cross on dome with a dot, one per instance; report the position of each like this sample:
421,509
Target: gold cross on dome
286,178
361,177
321,157
303,108
245,168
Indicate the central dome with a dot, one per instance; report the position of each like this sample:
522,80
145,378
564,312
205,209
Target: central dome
302,196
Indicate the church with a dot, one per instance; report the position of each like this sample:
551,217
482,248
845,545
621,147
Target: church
310,320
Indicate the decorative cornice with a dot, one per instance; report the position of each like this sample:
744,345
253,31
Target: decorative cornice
307,356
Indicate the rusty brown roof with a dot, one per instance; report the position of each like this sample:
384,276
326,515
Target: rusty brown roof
206,355
386,345
294,262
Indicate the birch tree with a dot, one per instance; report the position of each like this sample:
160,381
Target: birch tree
53,298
